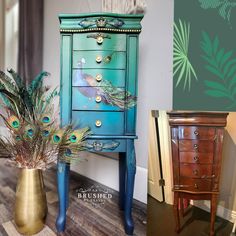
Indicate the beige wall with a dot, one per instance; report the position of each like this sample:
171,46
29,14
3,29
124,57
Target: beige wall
1,35
228,177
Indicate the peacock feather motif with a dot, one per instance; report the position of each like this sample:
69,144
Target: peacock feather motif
110,94
224,7
36,139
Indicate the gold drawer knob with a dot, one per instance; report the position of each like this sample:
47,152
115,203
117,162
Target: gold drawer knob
196,186
196,159
99,77
98,59
99,39
195,146
98,98
196,133
195,172
98,123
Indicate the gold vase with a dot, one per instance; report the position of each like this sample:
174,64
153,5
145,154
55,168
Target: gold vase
31,203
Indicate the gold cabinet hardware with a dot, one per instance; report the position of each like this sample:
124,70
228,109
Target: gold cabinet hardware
98,59
98,98
195,172
196,186
99,39
195,146
196,159
98,123
98,77
196,133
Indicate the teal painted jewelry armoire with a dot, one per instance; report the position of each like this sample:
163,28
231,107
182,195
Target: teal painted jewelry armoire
99,61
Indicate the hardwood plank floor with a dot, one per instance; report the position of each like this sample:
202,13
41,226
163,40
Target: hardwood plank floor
83,218
196,223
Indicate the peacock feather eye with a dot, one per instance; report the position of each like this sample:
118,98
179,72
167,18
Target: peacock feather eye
68,152
30,132
57,137
13,122
45,133
46,119
75,136
18,138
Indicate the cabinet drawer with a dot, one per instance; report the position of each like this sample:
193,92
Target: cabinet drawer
100,123
196,146
195,132
195,185
193,157
99,59
99,41
88,98
106,145
98,77
196,170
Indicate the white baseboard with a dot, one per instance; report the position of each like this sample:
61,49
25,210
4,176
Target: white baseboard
221,211
105,171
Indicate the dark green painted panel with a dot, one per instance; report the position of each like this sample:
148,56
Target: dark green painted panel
112,123
211,28
116,77
88,41
110,59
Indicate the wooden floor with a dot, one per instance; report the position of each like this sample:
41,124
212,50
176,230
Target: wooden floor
160,220
83,219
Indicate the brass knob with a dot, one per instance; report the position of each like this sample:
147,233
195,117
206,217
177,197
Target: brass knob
98,123
98,98
196,133
98,59
196,186
99,39
195,146
98,77
196,159
195,172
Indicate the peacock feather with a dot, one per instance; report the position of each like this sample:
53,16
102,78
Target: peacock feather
35,140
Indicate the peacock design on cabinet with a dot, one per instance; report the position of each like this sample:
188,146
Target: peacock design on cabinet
109,94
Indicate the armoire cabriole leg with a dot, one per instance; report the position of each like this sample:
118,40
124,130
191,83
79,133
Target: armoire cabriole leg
213,213
122,178
67,184
131,170
62,174
176,212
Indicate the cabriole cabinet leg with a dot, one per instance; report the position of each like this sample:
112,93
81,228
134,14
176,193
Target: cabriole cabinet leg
131,169
62,182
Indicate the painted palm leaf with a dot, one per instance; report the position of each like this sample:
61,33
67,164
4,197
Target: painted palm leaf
224,7
222,65
182,68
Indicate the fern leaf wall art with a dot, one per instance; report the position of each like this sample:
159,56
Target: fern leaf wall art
183,69
204,55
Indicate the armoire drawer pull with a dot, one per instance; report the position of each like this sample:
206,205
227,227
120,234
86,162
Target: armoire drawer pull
195,146
98,59
99,77
196,133
98,123
196,158
98,98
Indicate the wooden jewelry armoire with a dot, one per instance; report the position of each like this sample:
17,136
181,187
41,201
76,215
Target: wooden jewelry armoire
99,61
197,142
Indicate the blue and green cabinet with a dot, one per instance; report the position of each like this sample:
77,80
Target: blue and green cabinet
99,59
